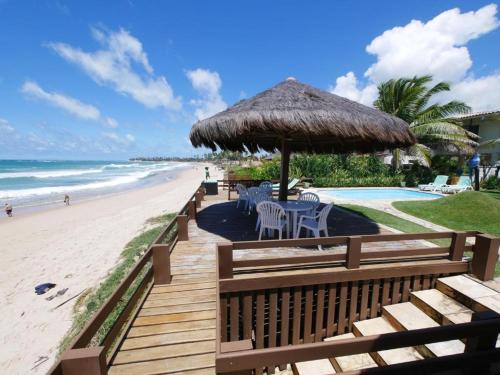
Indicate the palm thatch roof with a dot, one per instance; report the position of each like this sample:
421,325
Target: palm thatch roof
309,119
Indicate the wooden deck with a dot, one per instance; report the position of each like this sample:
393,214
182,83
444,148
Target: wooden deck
174,331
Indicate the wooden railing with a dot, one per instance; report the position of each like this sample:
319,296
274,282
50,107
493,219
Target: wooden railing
322,295
154,268
480,352
353,257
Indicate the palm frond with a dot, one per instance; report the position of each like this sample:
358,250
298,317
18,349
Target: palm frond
442,111
490,143
420,151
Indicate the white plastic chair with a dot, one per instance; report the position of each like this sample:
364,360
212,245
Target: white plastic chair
262,196
316,223
310,198
272,217
252,193
266,186
242,195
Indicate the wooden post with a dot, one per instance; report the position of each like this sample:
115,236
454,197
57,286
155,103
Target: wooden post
161,264
285,161
197,199
236,346
88,361
225,260
485,256
202,193
353,253
192,210
182,227
457,246
476,178
482,343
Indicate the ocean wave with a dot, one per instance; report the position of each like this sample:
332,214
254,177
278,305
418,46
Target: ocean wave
49,174
21,193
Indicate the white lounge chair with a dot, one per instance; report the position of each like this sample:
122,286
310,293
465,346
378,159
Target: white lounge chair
291,185
272,217
464,183
316,223
438,183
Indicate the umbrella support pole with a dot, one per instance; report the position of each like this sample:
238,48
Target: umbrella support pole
285,161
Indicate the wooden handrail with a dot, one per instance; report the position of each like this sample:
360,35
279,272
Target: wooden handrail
256,358
336,275
90,329
353,257
93,325
342,240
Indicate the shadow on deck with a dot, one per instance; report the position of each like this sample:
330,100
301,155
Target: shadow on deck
225,220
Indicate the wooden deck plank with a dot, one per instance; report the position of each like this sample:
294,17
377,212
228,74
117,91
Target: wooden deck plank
158,329
182,287
177,317
166,366
209,297
202,306
167,351
175,295
168,339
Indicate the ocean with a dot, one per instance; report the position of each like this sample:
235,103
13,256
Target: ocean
31,183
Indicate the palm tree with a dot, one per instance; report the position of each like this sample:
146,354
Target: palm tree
408,99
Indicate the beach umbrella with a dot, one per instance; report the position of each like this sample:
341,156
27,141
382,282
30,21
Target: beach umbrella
295,117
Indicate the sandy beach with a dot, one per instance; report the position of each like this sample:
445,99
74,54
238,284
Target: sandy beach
74,247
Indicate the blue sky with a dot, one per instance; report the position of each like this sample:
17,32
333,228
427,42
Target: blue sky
80,80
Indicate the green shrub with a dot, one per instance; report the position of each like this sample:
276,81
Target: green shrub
349,181
491,183
418,174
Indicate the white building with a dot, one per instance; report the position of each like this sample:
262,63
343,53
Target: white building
487,126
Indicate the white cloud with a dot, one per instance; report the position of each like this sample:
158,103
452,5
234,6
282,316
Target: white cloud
349,87
126,140
207,84
115,64
111,122
69,104
437,47
482,94
50,141
5,127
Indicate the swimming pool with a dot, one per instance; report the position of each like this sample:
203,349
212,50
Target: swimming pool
363,194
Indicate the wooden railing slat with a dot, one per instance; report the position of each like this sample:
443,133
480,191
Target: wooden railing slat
320,308
342,308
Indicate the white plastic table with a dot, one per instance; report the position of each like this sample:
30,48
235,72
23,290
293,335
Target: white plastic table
292,208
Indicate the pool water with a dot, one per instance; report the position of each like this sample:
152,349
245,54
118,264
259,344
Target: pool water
378,194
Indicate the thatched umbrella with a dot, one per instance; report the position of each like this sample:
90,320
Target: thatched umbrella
295,117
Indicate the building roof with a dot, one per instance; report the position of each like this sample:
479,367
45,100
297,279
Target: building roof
468,116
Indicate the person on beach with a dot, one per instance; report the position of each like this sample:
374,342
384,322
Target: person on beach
8,209
66,200
207,173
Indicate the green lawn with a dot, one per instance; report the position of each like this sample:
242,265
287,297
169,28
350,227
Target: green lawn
470,210
392,221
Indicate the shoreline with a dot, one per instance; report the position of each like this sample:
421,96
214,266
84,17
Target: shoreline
56,200
74,247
